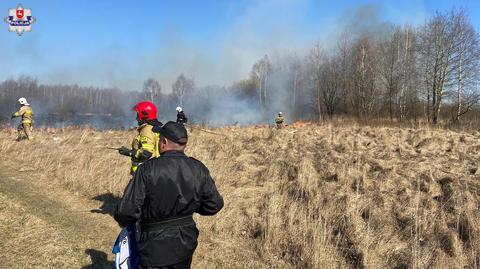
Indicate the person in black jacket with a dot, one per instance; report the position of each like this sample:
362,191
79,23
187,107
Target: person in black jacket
162,196
181,118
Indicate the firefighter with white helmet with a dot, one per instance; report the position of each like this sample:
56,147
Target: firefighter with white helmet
279,120
25,126
181,118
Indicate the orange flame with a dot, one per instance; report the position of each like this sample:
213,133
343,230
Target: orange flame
300,123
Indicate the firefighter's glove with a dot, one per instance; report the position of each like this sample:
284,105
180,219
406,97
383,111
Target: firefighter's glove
125,151
13,116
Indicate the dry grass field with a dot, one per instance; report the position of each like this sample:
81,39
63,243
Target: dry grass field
306,196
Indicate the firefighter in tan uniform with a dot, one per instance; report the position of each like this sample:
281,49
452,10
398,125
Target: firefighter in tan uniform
25,127
279,120
145,144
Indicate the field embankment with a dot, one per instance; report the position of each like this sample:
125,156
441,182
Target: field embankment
304,197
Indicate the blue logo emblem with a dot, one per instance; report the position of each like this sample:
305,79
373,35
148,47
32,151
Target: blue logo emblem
20,20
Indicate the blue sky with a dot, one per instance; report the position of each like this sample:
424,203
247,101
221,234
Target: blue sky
121,43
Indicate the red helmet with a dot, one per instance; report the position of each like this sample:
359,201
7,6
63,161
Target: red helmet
146,110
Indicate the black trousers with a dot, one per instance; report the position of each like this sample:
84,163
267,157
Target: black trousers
181,265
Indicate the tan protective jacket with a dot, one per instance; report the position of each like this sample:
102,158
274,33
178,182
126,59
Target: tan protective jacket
279,120
26,113
144,144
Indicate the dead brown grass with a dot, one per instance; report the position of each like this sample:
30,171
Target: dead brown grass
325,196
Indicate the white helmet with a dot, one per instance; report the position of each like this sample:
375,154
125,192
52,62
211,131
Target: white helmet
23,101
179,109
280,113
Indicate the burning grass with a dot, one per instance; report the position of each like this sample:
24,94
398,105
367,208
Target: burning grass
305,196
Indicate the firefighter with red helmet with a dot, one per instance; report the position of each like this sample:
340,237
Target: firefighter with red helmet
145,144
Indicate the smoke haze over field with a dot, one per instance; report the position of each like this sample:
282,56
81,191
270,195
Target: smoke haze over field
214,43
219,59
246,60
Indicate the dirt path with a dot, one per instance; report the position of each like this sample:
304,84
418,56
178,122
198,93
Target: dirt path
43,226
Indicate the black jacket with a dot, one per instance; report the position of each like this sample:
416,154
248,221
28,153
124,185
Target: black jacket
181,118
168,187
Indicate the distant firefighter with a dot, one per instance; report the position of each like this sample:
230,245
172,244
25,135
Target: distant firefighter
279,120
145,144
181,118
25,128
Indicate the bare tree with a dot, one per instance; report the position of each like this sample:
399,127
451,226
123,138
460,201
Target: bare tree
440,41
389,70
260,72
409,76
364,77
151,89
467,62
331,84
295,72
397,70
182,87
315,61
344,52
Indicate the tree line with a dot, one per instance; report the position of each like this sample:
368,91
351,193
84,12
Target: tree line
400,73
70,102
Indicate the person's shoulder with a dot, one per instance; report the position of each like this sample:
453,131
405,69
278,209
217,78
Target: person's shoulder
165,158
198,163
146,130
195,160
149,164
